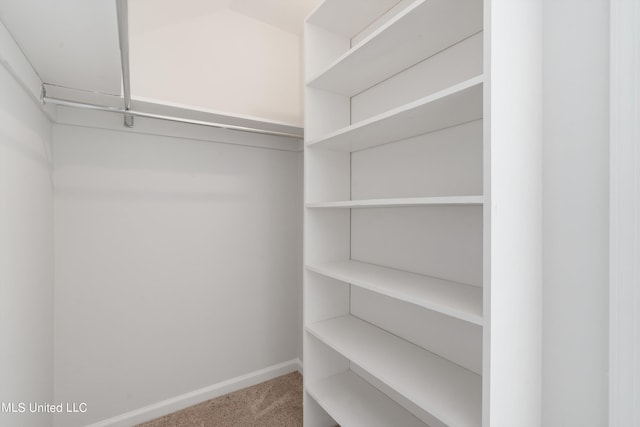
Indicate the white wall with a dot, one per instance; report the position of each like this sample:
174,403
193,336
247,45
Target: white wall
26,250
575,213
177,265
624,216
218,60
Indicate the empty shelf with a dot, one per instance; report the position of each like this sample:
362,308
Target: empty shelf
401,202
451,298
419,31
455,105
353,402
445,390
348,18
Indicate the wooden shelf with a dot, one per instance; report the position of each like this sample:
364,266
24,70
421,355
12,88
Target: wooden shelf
454,299
421,30
445,390
400,202
353,402
455,105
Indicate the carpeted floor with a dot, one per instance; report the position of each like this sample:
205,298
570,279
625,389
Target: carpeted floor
274,403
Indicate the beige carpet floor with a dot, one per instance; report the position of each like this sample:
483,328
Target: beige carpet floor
274,403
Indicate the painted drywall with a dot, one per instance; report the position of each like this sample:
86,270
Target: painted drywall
72,43
218,60
26,253
575,213
177,265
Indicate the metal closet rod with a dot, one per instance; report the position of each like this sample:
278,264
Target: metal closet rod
86,106
123,39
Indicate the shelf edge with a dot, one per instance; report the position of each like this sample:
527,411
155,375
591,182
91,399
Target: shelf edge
439,308
436,96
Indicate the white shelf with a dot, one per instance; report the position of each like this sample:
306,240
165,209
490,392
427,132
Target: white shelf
455,105
419,31
353,402
454,299
373,361
400,202
445,390
347,18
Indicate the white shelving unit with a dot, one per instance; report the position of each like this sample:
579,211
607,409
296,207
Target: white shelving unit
394,266
422,29
447,391
455,105
401,202
453,299
352,401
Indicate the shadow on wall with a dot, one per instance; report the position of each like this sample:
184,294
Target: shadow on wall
177,266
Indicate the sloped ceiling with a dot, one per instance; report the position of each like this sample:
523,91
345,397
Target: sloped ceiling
151,15
72,43
288,15
284,14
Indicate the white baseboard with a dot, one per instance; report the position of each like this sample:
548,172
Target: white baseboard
177,403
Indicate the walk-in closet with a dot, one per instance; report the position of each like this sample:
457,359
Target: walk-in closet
355,213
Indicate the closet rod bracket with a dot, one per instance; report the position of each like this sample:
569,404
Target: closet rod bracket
128,120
